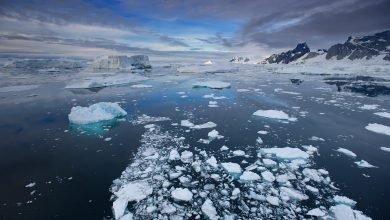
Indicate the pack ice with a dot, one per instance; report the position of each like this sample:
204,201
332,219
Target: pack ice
101,111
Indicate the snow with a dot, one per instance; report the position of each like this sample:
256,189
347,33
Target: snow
135,191
209,210
233,168
268,176
105,81
121,62
387,149
101,111
378,128
18,88
383,114
346,152
212,84
249,176
286,153
316,212
273,114
182,194
364,164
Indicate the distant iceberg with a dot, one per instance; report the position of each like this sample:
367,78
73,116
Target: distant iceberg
121,62
101,111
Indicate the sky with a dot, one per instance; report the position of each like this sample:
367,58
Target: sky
185,29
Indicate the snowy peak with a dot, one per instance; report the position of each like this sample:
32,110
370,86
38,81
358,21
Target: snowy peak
286,57
362,47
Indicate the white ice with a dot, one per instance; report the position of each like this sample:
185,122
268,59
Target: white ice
249,176
286,153
182,194
209,210
364,164
232,167
378,128
383,114
135,191
101,111
346,152
273,114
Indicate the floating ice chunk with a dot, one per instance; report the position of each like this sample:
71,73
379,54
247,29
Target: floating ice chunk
383,114
223,148
135,191
346,152
174,155
387,149
364,164
214,134
212,84
269,163
310,149
32,184
212,162
233,168
259,140
182,194
212,96
312,189
249,176
344,200
208,62
312,174
209,210
262,132
239,153
378,128
236,192
286,153
345,212
141,86
119,207
288,193
273,200
128,216
18,88
316,212
186,123
268,176
205,125
314,138
101,111
186,156
274,114
213,104
168,209
369,107
144,119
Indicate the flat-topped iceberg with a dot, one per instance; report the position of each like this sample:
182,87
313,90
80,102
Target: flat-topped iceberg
286,153
102,111
211,84
121,62
273,114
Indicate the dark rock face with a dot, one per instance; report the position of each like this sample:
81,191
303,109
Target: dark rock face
289,56
239,60
362,47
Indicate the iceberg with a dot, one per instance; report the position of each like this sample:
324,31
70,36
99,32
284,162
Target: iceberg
211,85
121,62
378,128
101,111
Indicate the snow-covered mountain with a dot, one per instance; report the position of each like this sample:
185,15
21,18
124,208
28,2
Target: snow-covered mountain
374,48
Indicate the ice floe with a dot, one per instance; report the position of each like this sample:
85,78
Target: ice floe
346,152
249,176
364,164
387,149
101,111
383,114
286,153
273,114
182,194
378,128
212,84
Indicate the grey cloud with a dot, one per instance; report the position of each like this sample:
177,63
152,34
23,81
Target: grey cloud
172,41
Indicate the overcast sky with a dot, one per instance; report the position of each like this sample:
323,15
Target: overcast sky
199,28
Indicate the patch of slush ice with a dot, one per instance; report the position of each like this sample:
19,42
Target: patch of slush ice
101,111
273,114
383,114
286,153
346,152
369,107
18,88
145,119
378,128
364,164
212,84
